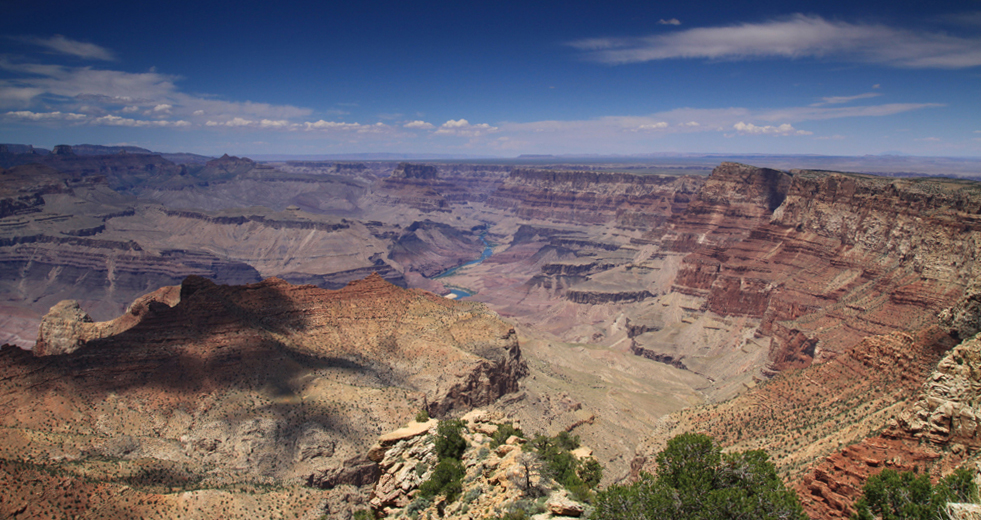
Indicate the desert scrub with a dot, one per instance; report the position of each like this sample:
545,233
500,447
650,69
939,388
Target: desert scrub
504,432
449,472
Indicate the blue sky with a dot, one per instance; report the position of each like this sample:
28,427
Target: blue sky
495,78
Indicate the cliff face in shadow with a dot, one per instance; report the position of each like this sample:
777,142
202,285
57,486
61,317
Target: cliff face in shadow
255,384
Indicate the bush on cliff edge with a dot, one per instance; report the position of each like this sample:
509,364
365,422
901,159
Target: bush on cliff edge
695,480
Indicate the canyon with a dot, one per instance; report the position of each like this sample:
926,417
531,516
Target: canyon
789,310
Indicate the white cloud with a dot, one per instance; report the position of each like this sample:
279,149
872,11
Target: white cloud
670,21
44,116
62,45
421,125
660,125
111,120
836,100
462,127
111,87
689,124
799,36
358,128
197,113
130,109
238,121
784,129
163,107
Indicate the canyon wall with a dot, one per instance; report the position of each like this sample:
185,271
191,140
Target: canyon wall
588,198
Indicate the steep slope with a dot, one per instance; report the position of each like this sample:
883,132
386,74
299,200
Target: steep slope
262,384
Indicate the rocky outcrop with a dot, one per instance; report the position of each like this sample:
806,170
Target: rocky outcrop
62,149
599,298
414,186
414,171
830,489
66,327
948,408
936,431
500,478
667,359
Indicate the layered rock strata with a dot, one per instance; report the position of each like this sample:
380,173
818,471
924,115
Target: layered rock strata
588,198
825,259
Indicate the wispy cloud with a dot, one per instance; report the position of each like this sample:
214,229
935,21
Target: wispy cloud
800,36
26,115
670,21
71,87
784,129
111,120
837,100
965,19
62,45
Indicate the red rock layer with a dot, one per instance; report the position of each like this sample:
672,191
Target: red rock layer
799,416
826,259
830,489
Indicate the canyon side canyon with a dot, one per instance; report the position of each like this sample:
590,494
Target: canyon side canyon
221,337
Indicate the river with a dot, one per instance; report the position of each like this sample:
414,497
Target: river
460,293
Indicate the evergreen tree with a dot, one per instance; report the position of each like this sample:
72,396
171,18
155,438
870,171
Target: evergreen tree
695,481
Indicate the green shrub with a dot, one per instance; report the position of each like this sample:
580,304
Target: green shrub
561,465
891,495
504,432
445,480
364,514
696,481
450,443
422,416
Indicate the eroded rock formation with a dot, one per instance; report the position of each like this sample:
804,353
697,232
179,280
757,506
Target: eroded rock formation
255,384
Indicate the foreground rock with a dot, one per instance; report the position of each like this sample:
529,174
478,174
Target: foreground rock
232,387
499,478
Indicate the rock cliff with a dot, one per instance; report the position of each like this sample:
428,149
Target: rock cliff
586,198
824,259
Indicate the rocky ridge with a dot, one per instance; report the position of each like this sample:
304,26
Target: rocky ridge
266,384
499,479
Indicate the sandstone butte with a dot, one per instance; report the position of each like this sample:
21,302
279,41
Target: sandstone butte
224,392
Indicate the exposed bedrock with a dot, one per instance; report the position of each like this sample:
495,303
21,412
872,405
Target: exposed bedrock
583,197
825,259
251,382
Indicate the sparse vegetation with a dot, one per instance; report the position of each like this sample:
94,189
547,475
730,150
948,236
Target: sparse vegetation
578,476
504,432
